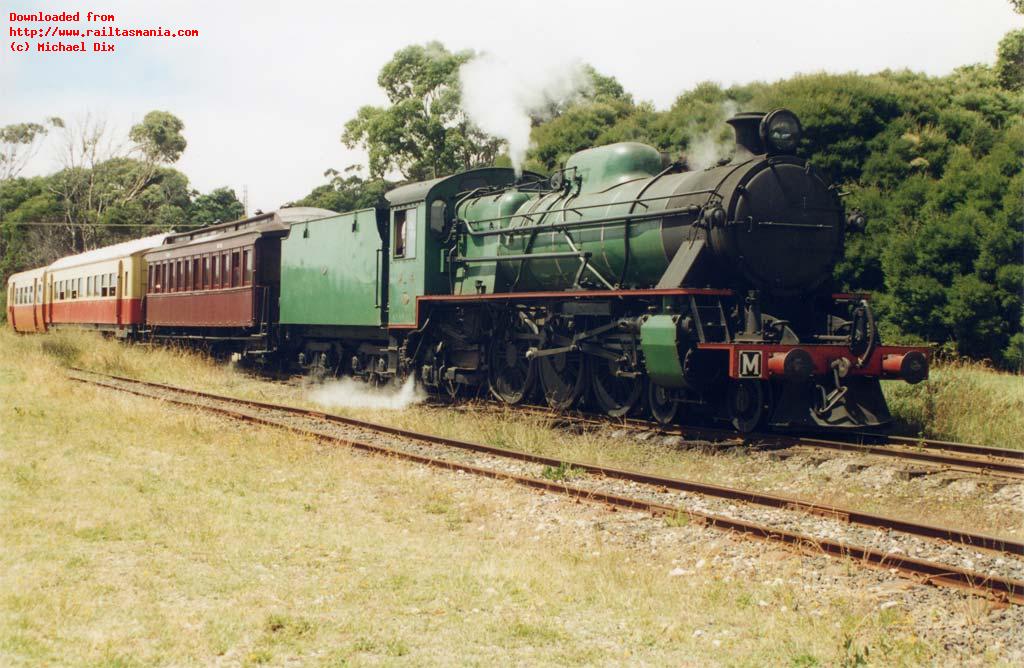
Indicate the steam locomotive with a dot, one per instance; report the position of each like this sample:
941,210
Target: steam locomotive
622,283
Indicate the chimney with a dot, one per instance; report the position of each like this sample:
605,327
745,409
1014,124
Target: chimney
748,135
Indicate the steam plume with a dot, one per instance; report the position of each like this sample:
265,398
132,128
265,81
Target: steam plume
710,146
502,97
349,393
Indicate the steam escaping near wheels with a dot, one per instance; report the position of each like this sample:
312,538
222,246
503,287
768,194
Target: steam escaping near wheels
349,393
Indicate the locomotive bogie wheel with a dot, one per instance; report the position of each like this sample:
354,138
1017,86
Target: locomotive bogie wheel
661,404
616,395
564,379
748,405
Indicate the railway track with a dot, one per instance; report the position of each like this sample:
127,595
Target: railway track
945,455
623,488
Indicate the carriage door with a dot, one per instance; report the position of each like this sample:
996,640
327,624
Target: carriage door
36,287
48,301
119,287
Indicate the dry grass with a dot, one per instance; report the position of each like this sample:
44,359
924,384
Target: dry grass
939,504
137,534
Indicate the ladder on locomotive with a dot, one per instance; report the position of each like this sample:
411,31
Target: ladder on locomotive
709,316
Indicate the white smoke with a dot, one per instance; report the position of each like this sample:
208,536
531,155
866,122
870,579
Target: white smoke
709,147
502,97
350,393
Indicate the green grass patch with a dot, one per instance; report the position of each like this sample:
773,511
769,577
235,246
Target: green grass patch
962,401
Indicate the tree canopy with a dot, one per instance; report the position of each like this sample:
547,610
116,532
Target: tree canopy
102,194
347,193
422,132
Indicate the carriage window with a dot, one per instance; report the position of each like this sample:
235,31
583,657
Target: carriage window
177,276
215,276
188,274
79,290
195,273
224,269
247,267
113,285
236,270
206,271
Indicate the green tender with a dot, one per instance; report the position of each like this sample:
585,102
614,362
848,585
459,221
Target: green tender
330,271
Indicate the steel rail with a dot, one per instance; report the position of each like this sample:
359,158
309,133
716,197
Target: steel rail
934,444
989,460
901,451
974,539
1007,590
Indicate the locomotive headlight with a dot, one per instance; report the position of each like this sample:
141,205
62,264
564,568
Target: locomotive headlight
856,221
781,131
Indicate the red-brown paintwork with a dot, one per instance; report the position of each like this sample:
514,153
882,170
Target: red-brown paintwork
26,318
822,355
97,312
581,294
234,307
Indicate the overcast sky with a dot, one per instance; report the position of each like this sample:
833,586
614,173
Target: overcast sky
265,89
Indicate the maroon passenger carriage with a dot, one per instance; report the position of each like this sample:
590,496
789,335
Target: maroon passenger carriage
220,283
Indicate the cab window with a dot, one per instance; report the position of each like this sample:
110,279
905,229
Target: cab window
404,237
